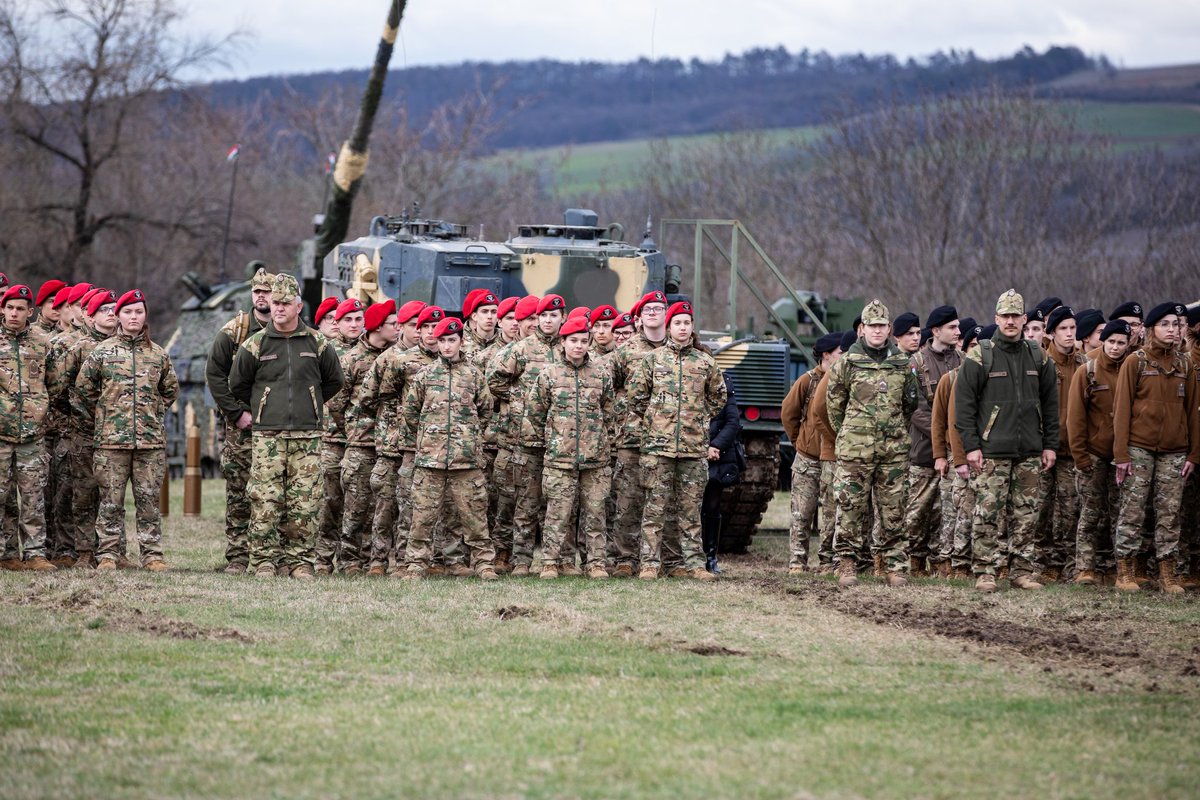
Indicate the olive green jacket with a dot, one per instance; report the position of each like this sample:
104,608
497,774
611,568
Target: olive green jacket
285,379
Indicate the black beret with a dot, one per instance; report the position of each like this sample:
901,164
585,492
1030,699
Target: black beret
1058,316
988,332
1193,315
857,321
1042,310
1115,326
848,338
1087,321
969,334
926,335
1130,309
940,316
1164,309
905,323
828,343
966,323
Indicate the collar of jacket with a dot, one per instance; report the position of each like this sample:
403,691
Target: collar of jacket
877,355
271,330
132,339
100,335
1109,362
21,334
547,338
1058,357
479,340
678,348
1005,343
586,358
450,362
1158,353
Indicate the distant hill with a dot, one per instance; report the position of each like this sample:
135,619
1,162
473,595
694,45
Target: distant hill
1179,83
565,103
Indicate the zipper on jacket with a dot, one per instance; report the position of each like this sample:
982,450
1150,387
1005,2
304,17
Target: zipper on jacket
262,404
578,454
291,412
20,388
449,410
133,384
312,392
678,402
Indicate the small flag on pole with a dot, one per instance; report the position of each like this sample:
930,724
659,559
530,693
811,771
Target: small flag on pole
233,153
330,160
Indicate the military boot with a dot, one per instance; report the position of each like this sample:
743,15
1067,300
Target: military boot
549,572
303,573
487,573
648,574
157,565
570,570
376,572
597,572
1140,571
520,571
847,574
896,579
623,571
86,560
234,568
701,575
916,567
985,584
1126,582
1188,582
960,574
461,570
1086,577
877,569
1026,582
1166,576
501,565
265,570
40,564
677,572
106,565
63,562
12,565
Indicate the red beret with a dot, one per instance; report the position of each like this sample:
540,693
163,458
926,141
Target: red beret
448,327
430,314
527,306
477,298
62,296
100,298
347,307
78,291
507,306
682,307
602,313
409,310
650,297
48,290
551,302
623,321
378,313
130,298
17,291
575,324
87,296
327,305
579,311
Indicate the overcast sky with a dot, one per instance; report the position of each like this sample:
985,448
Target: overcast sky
292,36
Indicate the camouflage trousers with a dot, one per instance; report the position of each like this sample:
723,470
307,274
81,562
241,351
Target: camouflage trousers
1153,479
827,517
504,483
451,499
23,469
358,507
624,540
60,543
58,496
85,494
384,477
961,538
114,470
235,466
805,497
1058,551
530,507
404,507
1097,490
1012,489
285,499
674,488
859,483
489,464
574,505
947,499
329,536
923,512
10,526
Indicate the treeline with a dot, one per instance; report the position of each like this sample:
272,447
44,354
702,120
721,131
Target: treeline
564,103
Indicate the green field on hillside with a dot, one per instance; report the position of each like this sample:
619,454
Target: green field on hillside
197,684
587,168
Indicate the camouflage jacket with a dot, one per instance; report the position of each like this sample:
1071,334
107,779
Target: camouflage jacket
125,387
674,393
67,354
513,374
444,410
871,399
334,430
360,426
286,378
501,429
44,326
381,393
569,411
220,360
59,417
25,400
473,344
622,361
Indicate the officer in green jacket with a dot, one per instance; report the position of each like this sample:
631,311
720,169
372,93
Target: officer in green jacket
284,374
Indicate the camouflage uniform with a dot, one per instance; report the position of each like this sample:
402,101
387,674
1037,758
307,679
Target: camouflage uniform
126,386
235,449
79,499
444,411
923,517
1006,405
871,397
510,378
358,464
24,404
568,409
380,396
1060,517
60,537
624,539
827,513
498,444
285,379
672,395
333,450
799,422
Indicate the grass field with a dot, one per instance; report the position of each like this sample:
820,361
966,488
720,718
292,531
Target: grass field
588,168
194,684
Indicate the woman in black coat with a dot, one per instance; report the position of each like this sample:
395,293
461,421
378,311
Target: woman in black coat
725,464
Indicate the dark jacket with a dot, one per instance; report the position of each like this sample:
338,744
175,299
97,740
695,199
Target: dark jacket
723,433
220,361
285,379
1008,407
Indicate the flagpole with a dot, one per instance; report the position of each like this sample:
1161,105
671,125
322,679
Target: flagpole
233,155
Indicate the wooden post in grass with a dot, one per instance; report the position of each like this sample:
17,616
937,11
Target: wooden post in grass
164,494
191,474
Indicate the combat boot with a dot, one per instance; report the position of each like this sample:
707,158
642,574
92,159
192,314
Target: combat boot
123,562
846,571
648,574
1086,578
234,569
598,572
435,570
323,569
376,572
520,571
12,565
40,564
797,570
1166,576
877,569
1026,582
677,572
701,575
549,572
985,584
264,571
353,569
623,571
501,564
106,565
1140,572
461,570
826,569
1126,582
412,574
63,562
487,573
156,565
896,579
916,568
569,570
303,573
1189,583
